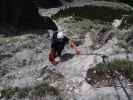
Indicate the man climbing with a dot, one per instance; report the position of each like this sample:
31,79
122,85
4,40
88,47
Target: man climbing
59,40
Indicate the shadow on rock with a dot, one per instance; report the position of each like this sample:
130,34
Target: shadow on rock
66,56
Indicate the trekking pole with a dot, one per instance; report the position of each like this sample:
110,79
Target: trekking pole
115,74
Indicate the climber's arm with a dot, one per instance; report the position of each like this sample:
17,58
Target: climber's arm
72,45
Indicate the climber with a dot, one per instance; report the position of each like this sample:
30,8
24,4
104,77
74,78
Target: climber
58,42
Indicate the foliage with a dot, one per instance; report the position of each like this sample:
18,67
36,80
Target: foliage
22,93
91,12
4,40
40,90
7,93
44,89
124,67
10,92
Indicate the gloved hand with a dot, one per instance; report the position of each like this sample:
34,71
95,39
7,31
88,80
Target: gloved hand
77,51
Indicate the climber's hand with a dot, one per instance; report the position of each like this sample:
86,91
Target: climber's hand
77,51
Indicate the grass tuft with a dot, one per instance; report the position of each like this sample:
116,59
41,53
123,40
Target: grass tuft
40,90
124,67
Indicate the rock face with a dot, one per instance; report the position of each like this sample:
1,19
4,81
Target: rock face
26,74
25,69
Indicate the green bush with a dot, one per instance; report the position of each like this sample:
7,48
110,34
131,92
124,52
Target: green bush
40,90
90,12
22,93
8,93
44,89
124,67
4,40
